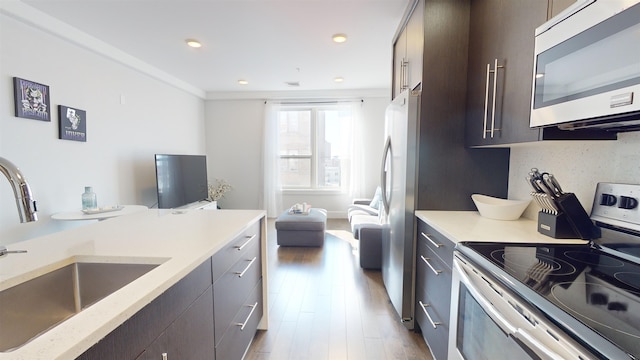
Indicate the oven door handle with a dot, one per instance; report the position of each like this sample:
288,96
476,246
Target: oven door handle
484,303
532,343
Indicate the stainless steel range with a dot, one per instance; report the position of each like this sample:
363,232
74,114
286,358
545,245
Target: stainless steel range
553,301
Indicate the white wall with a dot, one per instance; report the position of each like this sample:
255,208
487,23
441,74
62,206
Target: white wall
117,159
234,151
578,165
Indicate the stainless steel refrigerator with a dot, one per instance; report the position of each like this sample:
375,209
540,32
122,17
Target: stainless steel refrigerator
399,182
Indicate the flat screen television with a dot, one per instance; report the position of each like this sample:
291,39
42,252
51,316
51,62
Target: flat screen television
180,179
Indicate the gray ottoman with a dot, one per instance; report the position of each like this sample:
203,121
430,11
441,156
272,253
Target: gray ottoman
301,230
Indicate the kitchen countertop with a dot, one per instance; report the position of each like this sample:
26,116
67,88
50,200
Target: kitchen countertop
180,240
461,226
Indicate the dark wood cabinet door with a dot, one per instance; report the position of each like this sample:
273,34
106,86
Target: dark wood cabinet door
504,30
190,337
408,49
415,46
399,59
501,30
520,20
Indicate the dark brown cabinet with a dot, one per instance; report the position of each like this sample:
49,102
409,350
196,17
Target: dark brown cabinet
148,331
500,73
499,78
213,312
237,294
189,337
408,49
434,258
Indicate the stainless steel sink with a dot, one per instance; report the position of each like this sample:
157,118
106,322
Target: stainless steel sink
32,307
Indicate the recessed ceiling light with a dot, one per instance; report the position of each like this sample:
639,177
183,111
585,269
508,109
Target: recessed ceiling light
339,38
243,82
338,79
193,43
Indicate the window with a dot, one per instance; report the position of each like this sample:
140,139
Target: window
314,146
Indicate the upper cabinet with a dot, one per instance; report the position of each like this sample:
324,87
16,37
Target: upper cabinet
407,50
500,73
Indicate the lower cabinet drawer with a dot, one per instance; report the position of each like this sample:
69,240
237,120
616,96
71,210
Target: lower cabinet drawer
236,340
433,322
433,274
232,252
233,287
190,337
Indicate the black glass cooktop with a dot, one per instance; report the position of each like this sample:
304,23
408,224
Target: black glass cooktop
599,289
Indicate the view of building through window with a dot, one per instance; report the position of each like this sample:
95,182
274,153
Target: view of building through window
314,146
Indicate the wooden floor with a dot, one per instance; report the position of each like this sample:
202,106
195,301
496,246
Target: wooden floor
324,306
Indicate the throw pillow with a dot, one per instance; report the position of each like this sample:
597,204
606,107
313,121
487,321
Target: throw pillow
377,199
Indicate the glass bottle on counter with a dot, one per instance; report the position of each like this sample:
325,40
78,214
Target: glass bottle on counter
89,199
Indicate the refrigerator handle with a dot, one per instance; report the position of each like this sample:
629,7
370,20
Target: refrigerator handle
387,157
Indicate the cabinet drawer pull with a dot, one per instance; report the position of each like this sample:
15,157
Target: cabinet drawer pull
426,236
249,238
246,268
426,261
424,309
243,324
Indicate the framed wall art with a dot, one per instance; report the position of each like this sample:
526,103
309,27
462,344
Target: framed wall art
31,100
73,123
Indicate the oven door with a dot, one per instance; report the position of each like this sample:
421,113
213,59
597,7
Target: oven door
490,322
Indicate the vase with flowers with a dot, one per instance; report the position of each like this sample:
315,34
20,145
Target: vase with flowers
218,190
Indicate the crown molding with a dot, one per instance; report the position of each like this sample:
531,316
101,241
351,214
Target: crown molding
299,94
33,17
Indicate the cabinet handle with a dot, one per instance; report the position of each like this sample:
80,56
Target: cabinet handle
243,324
405,78
246,268
165,356
249,238
426,261
495,86
426,236
424,309
486,100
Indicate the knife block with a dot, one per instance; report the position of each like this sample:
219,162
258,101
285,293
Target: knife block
577,217
556,226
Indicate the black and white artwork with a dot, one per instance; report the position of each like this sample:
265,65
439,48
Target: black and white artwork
73,123
31,100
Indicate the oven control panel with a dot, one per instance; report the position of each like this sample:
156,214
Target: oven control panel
618,205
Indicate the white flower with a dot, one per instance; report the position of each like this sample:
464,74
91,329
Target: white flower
217,191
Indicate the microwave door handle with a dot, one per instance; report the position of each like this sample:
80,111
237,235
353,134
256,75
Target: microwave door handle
484,303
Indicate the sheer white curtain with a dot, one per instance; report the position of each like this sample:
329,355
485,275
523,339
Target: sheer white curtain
357,165
272,189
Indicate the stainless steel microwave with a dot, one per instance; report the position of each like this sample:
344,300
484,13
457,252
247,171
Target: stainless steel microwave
587,67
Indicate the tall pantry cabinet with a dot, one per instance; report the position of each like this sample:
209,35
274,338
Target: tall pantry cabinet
447,172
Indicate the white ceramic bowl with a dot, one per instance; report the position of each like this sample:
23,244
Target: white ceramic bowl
499,209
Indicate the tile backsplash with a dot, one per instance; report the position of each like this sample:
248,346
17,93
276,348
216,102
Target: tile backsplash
578,166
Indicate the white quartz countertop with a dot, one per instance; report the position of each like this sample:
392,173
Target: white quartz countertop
179,240
461,226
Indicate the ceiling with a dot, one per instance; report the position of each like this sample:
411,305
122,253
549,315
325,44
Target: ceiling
265,42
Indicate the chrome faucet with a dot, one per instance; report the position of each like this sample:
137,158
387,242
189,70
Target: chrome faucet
24,199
